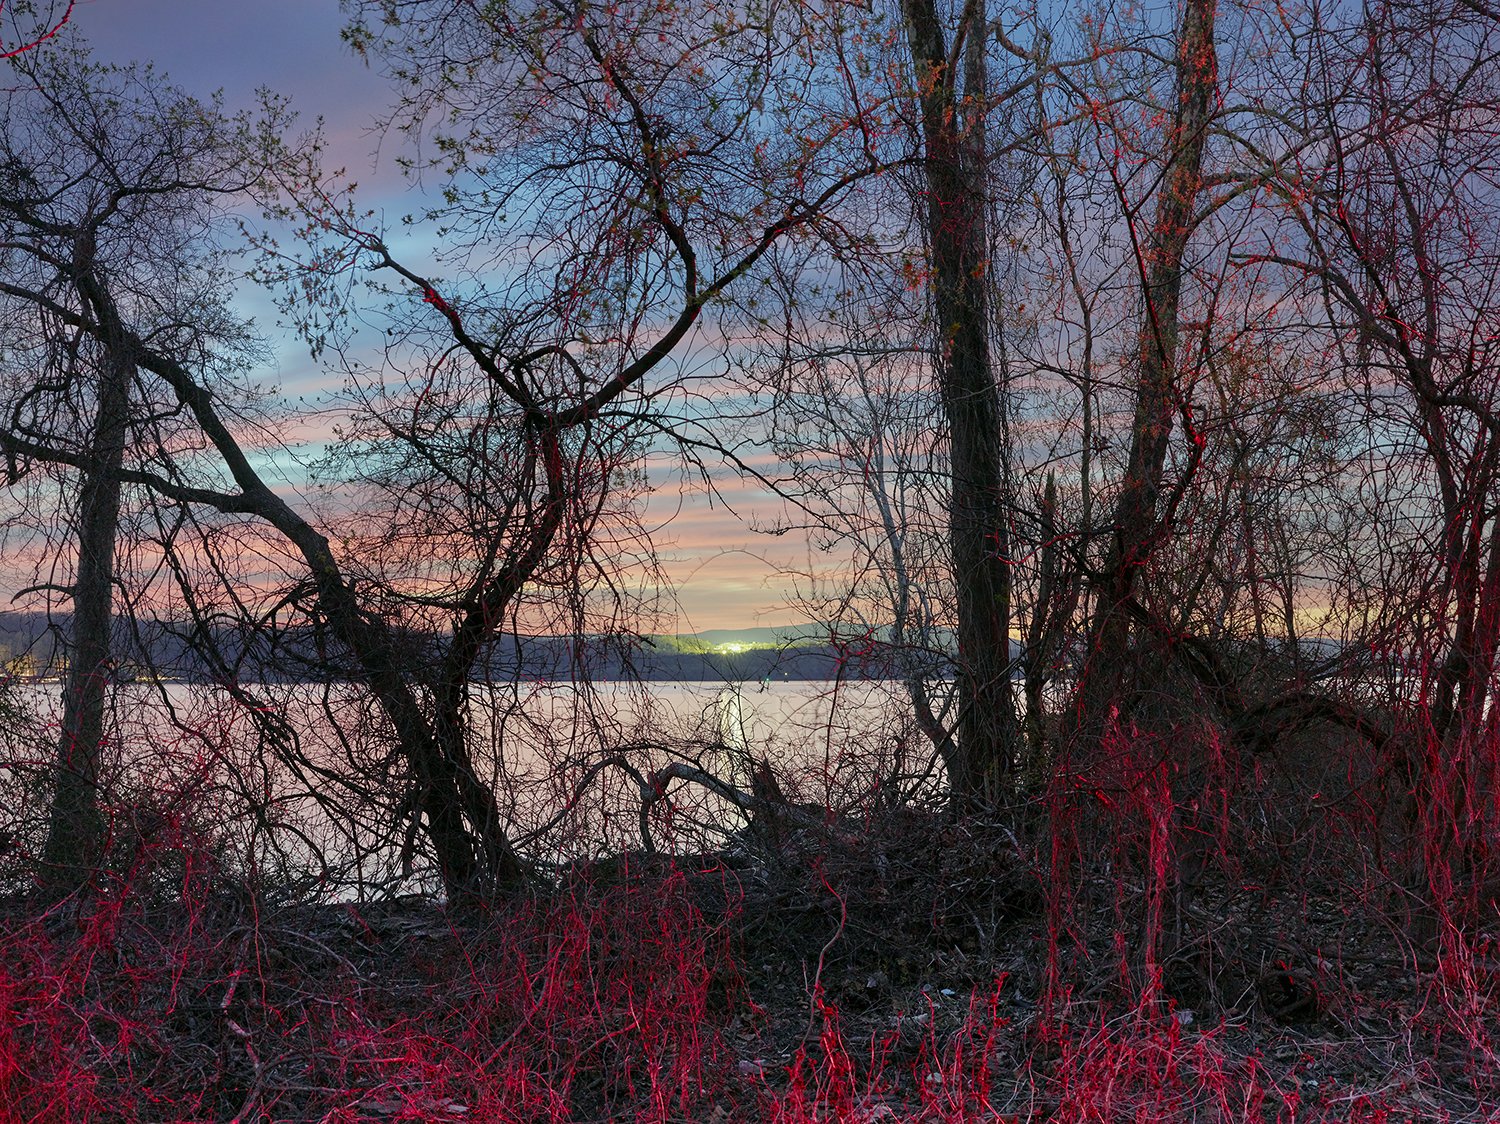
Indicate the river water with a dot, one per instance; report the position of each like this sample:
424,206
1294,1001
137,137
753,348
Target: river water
300,780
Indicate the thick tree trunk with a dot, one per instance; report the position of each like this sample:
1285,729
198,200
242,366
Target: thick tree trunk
1137,523
981,765
486,608
76,829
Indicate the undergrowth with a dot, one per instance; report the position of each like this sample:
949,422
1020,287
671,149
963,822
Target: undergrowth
1123,955
638,995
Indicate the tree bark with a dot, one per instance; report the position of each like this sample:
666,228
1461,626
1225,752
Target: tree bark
76,828
1138,522
981,765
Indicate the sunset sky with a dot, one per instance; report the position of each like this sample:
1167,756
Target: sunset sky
729,577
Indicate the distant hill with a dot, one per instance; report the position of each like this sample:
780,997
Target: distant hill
774,637
30,644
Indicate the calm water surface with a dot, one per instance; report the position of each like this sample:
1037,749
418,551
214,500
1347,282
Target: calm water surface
317,764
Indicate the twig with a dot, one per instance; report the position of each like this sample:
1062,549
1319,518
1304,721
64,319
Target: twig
252,1097
815,992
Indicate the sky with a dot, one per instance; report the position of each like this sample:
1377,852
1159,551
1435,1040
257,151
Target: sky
729,577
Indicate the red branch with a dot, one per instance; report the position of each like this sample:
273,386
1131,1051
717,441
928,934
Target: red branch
39,40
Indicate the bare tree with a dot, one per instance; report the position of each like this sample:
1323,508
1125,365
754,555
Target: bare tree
91,191
1142,519
955,102
1396,231
614,160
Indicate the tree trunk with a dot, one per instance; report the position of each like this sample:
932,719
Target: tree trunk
1138,522
980,767
461,818
76,829
1056,601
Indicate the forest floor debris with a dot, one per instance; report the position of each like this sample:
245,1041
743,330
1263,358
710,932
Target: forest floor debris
905,979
